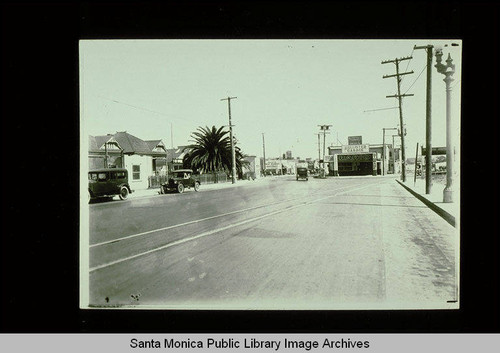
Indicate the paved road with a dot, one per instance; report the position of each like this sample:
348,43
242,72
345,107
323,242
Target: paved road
282,244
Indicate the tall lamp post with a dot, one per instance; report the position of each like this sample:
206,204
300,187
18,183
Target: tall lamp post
447,70
324,129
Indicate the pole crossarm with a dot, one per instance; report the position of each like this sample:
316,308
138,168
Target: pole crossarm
429,46
397,60
400,74
400,95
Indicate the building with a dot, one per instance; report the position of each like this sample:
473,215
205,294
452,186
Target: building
363,159
280,166
251,170
175,157
141,158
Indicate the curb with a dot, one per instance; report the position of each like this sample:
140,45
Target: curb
442,213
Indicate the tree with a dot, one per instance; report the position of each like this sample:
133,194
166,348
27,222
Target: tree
210,151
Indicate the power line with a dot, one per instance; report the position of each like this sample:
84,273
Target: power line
416,78
376,110
409,61
150,110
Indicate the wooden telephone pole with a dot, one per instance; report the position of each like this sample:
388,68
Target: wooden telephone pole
428,120
400,96
233,157
264,153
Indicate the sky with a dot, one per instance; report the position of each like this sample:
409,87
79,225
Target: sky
166,89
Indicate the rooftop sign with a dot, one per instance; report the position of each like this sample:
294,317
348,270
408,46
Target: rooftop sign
355,148
355,140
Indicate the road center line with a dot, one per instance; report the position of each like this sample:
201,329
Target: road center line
181,241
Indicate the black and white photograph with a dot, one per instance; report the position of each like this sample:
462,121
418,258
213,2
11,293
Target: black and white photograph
270,174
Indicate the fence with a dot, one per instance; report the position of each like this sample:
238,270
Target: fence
156,180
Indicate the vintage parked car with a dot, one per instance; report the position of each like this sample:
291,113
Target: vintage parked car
302,173
108,182
180,180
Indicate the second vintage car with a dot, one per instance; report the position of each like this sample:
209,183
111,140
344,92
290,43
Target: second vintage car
179,181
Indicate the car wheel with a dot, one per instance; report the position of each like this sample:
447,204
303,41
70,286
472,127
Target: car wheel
123,193
180,188
197,186
90,196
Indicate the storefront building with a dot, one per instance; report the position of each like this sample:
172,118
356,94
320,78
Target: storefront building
360,159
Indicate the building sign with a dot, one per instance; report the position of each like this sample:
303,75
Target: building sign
365,157
355,148
273,164
355,140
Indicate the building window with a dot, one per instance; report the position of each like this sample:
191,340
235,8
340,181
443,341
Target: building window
136,172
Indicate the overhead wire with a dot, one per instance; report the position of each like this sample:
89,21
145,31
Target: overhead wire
185,121
408,64
416,78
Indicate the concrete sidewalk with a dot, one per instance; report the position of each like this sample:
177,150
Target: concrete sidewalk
449,211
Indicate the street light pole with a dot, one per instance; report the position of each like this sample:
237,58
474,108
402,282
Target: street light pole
233,156
324,128
448,70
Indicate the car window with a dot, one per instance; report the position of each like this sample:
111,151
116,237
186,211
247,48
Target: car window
102,176
93,176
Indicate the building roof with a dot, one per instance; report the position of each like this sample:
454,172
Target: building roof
152,144
129,143
176,153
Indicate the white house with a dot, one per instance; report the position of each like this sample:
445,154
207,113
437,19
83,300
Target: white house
141,158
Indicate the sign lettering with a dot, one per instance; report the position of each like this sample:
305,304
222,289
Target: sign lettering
355,148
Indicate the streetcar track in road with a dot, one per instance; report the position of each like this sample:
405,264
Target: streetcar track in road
185,240
197,221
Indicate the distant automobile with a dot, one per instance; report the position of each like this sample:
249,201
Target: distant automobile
108,182
179,181
302,173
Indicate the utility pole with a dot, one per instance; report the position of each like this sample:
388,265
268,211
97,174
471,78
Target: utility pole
428,120
400,96
264,153
394,154
319,147
384,129
171,136
324,128
233,157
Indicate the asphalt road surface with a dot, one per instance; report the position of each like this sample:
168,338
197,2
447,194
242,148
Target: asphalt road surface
336,243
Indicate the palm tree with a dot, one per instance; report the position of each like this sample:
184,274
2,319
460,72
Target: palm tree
211,151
